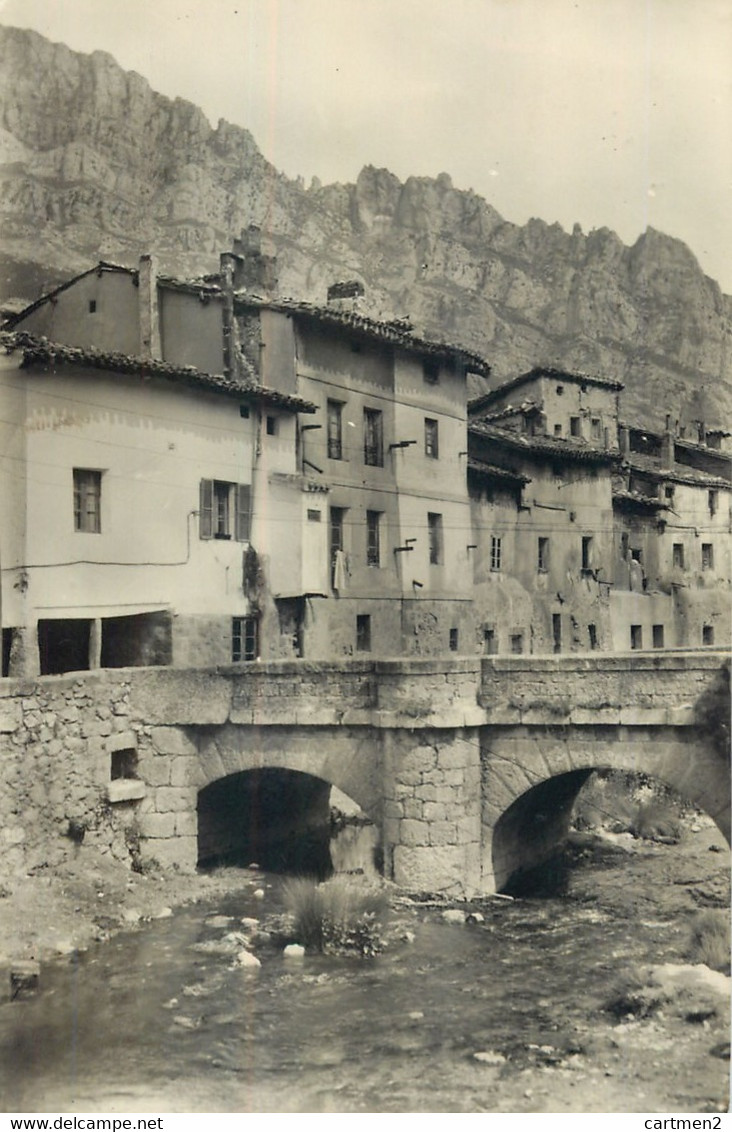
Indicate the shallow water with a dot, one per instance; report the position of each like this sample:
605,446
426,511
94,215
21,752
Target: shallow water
147,1022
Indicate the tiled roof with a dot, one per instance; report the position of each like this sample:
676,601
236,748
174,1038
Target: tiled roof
563,449
396,331
39,351
477,403
493,472
631,500
526,407
649,466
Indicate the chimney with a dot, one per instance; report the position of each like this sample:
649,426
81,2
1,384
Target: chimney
346,295
624,440
227,268
702,429
254,270
147,298
668,448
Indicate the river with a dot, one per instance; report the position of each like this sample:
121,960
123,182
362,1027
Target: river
151,1022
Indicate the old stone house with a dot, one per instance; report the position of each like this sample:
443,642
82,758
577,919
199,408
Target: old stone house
200,471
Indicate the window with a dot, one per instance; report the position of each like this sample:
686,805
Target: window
707,634
636,636
434,535
373,538
431,372
587,552
490,642
557,631
543,555
219,502
557,430
244,638
707,556
454,638
713,500
574,426
658,636
430,439
271,426
596,428
669,491
337,522
335,430
313,515
592,634
495,552
373,438
624,545
244,412
678,555
560,390
363,632
123,763
92,306
636,554
517,642
87,501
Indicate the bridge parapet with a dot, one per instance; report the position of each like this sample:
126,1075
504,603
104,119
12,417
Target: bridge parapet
413,693
635,689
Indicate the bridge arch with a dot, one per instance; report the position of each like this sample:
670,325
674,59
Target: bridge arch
346,757
532,775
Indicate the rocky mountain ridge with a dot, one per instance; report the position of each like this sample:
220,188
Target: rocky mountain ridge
95,164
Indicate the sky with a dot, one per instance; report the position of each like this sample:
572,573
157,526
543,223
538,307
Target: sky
606,113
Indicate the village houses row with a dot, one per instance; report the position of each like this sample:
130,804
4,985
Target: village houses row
200,472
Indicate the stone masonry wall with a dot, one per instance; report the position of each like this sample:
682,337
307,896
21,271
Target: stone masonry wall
402,738
57,736
432,813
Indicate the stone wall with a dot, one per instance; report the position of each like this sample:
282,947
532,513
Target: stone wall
57,738
433,751
432,818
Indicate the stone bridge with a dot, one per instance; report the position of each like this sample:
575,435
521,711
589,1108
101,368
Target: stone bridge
469,766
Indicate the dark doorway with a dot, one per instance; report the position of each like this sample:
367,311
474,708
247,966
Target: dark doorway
63,645
139,640
279,819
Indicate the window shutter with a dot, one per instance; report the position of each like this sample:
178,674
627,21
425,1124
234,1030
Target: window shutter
205,516
243,508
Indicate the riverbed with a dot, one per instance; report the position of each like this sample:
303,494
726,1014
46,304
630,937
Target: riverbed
504,1015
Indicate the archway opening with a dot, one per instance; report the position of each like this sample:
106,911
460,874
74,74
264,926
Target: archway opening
285,821
536,841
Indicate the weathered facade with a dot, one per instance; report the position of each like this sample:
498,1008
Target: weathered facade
201,471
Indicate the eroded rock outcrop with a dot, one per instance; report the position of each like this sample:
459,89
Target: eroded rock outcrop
95,164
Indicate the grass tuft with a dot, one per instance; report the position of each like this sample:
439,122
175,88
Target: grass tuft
340,915
710,939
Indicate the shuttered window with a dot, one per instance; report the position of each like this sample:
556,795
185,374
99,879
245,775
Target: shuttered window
219,502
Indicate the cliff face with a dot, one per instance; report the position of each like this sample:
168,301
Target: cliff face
95,164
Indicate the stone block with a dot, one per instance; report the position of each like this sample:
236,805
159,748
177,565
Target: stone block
172,741
413,832
443,833
9,719
186,825
156,771
435,811
126,790
186,771
157,825
429,869
121,741
175,799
